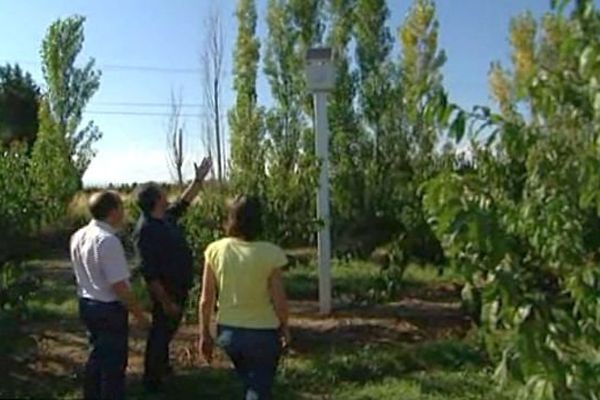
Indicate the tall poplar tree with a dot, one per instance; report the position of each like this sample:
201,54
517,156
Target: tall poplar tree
349,143
293,26
70,88
246,118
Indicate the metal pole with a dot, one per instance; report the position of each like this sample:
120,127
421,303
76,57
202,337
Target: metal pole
324,236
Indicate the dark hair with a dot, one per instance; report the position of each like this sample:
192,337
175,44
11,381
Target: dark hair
147,195
102,203
244,220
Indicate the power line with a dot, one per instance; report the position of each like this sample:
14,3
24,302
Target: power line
150,69
123,67
145,104
141,113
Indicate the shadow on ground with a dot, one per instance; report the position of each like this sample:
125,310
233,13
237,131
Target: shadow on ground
416,340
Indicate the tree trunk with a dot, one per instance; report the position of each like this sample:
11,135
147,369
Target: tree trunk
180,158
218,130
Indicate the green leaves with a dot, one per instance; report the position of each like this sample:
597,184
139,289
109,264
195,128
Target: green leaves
70,88
559,5
246,119
53,173
37,184
19,100
522,221
586,60
458,126
19,212
501,374
538,388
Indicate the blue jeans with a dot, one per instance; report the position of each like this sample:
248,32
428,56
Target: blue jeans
255,354
108,330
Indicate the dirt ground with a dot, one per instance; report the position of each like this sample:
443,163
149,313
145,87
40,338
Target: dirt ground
61,346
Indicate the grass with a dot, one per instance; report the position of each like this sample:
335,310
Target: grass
56,297
438,385
434,369
446,370
357,281
451,369
376,373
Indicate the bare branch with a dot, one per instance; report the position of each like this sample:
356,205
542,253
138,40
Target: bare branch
175,140
211,58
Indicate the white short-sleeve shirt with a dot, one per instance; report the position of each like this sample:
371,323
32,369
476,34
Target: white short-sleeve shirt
98,261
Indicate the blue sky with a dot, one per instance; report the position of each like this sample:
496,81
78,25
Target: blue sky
168,35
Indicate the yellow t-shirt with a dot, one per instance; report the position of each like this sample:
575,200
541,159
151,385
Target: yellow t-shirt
242,270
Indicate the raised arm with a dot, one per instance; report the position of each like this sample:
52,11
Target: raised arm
201,171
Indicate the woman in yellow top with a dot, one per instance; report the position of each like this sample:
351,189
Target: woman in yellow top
252,316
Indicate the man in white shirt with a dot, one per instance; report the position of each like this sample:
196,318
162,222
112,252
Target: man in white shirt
105,297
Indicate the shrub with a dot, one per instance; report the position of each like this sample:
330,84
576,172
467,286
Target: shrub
204,220
19,213
16,285
522,224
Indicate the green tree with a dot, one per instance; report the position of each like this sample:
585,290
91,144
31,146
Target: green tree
18,211
379,107
55,178
501,90
528,235
349,143
522,38
376,75
70,88
19,98
373,47
246,118
292,27
421,114
421,65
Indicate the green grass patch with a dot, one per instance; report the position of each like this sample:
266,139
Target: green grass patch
439,370
452,370
57,298
358,281
436,385
348,278
379,361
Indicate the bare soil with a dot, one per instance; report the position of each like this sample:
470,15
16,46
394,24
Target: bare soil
59,347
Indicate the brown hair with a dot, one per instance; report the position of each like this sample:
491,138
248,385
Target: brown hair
102,203
244,219
146,196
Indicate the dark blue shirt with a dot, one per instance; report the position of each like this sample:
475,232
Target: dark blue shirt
163,250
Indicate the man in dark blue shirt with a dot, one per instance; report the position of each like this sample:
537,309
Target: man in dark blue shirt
167,266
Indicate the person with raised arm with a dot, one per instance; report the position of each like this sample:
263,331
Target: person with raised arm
167,266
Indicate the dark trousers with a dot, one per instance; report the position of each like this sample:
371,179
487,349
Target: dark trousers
255,354
108,329
164,327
